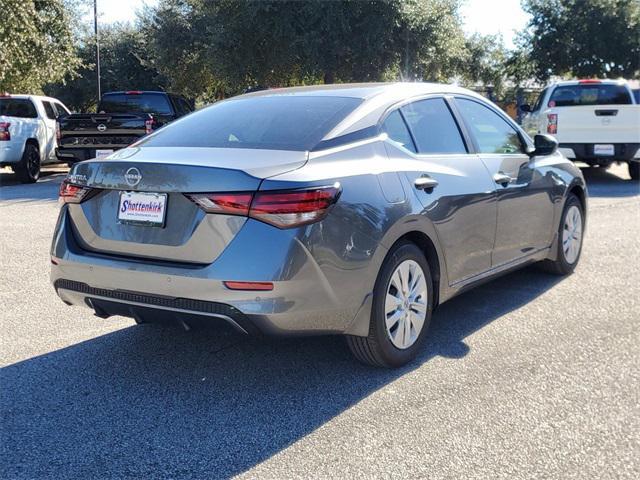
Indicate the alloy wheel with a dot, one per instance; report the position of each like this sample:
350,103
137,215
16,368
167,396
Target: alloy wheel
572,234
406,304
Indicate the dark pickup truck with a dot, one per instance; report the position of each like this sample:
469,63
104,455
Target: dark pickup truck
122,118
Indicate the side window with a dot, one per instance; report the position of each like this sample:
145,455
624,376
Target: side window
48,109
186,108
492,132
397,130
62,110
433,127
538,104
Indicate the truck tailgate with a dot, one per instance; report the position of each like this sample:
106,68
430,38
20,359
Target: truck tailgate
597,123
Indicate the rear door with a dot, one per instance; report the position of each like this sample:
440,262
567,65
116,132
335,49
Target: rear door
462,206
525,207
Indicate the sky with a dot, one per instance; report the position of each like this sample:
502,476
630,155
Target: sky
483,16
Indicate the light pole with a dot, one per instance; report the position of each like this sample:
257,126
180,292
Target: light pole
95,29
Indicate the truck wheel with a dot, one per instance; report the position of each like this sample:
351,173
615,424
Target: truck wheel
634,170
570,235
401,310
28,168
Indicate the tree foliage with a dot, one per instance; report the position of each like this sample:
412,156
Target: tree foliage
230,45
37,44
123,64
583,38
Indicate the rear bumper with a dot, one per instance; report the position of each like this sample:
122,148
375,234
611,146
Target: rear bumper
585,151
302,302
10,154
72,155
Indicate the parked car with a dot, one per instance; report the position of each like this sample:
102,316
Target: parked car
344,209
28,133
122,118
595,121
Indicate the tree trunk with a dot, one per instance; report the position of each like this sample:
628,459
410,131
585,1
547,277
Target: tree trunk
329,76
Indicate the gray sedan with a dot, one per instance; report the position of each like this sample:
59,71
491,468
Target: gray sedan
344,209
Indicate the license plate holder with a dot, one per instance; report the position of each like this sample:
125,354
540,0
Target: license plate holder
142,208
604,150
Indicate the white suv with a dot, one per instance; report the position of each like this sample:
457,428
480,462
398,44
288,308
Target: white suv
28,130
594,121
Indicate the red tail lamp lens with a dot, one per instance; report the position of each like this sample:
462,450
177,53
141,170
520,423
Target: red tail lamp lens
293,208
5,135
552,126
70,193
229,203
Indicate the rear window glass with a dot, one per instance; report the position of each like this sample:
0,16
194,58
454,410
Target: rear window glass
279,122
18,107
132,103
589,94
48,109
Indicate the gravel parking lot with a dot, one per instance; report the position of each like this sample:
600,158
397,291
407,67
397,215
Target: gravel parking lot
529,376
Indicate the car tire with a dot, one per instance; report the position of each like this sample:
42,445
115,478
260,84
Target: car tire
390,344
569,247
634,170
28,168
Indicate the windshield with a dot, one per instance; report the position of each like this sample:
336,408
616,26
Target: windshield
279,122
131,103
18,107
589,94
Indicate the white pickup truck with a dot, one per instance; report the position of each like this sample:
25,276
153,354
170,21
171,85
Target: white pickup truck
594,121
28,130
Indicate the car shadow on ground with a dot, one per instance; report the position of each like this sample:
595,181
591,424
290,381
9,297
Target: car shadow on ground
46,189
602,182
148,401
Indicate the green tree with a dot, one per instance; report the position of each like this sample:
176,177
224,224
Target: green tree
123,66
583,38
484,61
219,48
37,44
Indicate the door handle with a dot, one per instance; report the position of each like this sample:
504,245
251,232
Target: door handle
502,178
425,182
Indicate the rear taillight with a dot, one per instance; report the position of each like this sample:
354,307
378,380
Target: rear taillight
148,126
5,135
70,193
58,134
229,203
552,123
283,209
293,208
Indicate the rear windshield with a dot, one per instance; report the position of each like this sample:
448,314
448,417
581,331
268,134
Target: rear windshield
279,122
133,103
18,107
589,94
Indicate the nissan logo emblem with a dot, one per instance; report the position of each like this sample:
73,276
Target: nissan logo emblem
102,127
133,176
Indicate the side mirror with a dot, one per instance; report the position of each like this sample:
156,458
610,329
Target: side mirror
525,107
544,145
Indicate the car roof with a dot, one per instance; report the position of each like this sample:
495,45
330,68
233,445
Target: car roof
31,97
594,81
376,98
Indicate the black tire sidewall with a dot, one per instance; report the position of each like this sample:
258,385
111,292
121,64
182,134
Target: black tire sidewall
567,267
22,169
392,355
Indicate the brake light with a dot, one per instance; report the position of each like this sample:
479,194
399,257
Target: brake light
148,125
4,94
589,80
228,203
5,135
552,123
70,193
58,134
293,208
133,92
282,209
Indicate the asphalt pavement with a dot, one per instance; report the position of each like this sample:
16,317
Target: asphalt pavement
529,376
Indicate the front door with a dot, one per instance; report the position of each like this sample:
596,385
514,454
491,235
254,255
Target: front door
525,207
